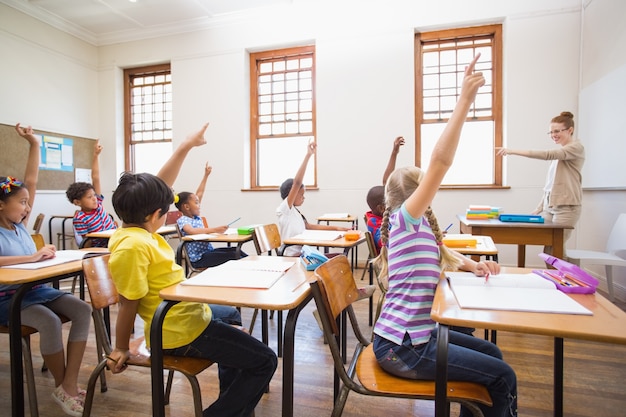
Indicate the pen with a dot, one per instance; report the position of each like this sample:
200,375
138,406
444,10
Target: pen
234,221
486,277
114,360
447,228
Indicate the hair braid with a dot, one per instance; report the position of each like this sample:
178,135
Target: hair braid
447,260
381,262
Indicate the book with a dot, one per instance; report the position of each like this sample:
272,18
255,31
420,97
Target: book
515,292
335,215
459,240
61,257
260,273
521,218
319,235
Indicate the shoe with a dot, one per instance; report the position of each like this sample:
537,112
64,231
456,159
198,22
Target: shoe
72,406
82,394
366,292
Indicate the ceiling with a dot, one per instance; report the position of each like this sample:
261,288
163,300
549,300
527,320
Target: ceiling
102,22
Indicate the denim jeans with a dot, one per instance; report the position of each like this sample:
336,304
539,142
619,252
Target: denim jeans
469,359
225,314
246,367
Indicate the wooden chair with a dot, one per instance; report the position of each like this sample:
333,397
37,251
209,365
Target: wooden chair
103,294
38,239
38,223
334,291
267,240
182,257
28,365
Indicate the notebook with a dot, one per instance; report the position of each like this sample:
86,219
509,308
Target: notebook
521,218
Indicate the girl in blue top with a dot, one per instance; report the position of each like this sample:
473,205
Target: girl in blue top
42,305
412,258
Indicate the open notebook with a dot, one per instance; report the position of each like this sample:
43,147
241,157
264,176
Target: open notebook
61,257
319,235
260,273
516,292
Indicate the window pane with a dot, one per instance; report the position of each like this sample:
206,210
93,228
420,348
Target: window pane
150,157
473,163
273,168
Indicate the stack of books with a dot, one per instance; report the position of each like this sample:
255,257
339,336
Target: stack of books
478,212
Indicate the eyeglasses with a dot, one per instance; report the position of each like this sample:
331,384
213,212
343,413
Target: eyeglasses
554,132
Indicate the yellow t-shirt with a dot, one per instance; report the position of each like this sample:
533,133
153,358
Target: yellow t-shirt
141,265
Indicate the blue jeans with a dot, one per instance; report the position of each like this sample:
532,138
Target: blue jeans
246,367
469,359
226,314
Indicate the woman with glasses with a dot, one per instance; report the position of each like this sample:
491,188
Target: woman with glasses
562,194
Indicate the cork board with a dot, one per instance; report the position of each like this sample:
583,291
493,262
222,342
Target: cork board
14,153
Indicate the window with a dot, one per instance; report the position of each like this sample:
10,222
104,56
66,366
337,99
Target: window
441,58
282,115
148,119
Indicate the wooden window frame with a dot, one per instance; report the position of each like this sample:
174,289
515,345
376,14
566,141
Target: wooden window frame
255,59
495,32
129,74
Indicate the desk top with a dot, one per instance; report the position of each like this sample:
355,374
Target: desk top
336,217
497,223
287,293
217,237
607,324
10,276
337,243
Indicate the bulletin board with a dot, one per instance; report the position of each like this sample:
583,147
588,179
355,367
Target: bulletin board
14,154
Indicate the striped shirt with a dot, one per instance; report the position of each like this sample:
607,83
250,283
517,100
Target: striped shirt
413,276
96,220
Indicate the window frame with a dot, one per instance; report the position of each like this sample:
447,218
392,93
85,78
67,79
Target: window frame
495,32
129,74
255,59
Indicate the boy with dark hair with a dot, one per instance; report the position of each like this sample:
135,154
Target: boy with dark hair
91,217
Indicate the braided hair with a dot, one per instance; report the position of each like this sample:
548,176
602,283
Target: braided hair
400,185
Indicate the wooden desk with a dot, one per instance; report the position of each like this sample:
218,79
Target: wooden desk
220,238
165,231
353,220
291,292
520,234
27,278
342,243
607,325
484,247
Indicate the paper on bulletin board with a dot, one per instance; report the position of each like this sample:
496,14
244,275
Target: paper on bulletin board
82,175
57,153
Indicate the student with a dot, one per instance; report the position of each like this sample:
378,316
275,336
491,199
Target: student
376,195
43,304
91,217
291,221
562,194
405,341
201,254
142,263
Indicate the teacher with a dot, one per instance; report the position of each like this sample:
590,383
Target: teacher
562,195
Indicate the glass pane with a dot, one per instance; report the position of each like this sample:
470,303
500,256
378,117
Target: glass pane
279,66
150,157
273,168
474,159
265,67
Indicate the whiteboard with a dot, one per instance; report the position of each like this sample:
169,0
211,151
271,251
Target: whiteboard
602,121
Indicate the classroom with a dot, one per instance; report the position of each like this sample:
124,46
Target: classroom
558,55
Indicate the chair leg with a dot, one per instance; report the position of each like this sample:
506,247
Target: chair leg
30,377
91,387
279,347
609,281
254,316
168,386
197,394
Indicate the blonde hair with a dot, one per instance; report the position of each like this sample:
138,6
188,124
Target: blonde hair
400,185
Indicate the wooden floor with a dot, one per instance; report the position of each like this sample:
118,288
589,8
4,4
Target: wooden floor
594,374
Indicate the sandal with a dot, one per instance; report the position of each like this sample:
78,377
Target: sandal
72,406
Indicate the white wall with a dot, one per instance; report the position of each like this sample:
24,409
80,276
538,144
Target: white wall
365,98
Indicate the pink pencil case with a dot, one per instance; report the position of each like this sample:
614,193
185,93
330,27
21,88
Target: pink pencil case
567,277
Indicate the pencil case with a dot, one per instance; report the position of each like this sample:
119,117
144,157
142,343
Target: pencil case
246,230
352,235
567,277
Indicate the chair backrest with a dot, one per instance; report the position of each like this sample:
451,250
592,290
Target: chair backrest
371,245
266,239
182,257
335,288
172,216
617,238
102,291
38,223
38,239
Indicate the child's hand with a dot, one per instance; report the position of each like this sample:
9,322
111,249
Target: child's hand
473,80
97,148
47,252
116,361
501,151
26,133
399,141
311,148
197,138
220,229
207,170
487,267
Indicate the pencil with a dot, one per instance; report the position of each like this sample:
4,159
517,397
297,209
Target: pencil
234,221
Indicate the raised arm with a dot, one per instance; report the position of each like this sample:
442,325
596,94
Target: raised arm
299,178
171,168
95,168
445,148
391,164
31,173
202,185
